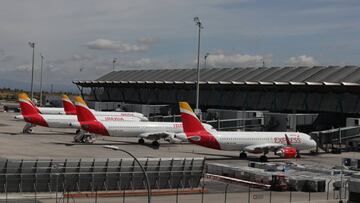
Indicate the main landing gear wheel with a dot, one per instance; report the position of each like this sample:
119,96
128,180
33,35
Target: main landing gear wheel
141,141
155,144
263,158
27,128
243,155
77,131
298,156
27,131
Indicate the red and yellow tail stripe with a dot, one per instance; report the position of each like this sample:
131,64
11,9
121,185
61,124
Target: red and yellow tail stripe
83,111
69,107
190,121
30,112
87,119
194,130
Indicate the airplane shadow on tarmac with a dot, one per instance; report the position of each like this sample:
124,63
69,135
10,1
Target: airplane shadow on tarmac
11,133
112,142
230,157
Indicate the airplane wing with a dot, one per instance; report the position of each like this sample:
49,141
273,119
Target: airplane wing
155,135
260,148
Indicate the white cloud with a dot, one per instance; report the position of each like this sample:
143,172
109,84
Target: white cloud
147,40
4,57
234,60
142,44
23,67
302,60
141,62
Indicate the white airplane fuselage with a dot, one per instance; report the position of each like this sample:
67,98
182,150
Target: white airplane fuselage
135,129
123,114
238,141
51,110
66,121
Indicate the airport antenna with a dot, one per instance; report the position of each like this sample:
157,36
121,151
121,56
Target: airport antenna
205,57
113,62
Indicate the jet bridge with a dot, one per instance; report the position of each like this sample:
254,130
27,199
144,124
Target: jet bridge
334,139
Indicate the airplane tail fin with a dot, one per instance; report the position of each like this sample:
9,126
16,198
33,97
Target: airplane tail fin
69,107
26,105
83,111
190,121
194,130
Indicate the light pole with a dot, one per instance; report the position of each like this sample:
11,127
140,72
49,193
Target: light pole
199,24
205,57
32,45
114,61
41,78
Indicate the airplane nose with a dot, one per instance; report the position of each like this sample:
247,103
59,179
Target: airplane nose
313,143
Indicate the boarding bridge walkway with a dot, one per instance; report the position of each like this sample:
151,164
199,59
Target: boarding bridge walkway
337,137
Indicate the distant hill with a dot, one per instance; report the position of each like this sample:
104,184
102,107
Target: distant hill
46,87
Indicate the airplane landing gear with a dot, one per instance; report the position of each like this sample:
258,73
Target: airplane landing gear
243,155
84,138
298,154
141,141
28,128
263,158
155,144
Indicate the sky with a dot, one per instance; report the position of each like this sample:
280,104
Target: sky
80,38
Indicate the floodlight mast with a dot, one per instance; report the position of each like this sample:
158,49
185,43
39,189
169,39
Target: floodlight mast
32,45
200,26
41,79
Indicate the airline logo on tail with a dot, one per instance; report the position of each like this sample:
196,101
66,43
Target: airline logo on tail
24,98
194,130
30,112
69,107
87,119
84,113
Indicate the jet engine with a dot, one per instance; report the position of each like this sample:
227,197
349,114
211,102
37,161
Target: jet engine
171,139
180,137
287,152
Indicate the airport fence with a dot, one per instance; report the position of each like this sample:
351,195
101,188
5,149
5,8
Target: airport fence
54,176
208,191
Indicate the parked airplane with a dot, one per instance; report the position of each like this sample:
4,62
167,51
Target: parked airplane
143,130
70,107
283,144
57,110
32,116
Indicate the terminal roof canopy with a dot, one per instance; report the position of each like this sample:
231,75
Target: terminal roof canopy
317,75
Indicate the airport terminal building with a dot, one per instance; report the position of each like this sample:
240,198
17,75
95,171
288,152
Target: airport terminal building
288,89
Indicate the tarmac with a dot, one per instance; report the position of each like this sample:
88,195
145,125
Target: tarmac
52,143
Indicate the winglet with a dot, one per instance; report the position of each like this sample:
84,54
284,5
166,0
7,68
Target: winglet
83,111
288,143
69,107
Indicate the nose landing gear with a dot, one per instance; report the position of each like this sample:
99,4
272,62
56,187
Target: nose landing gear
243,155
